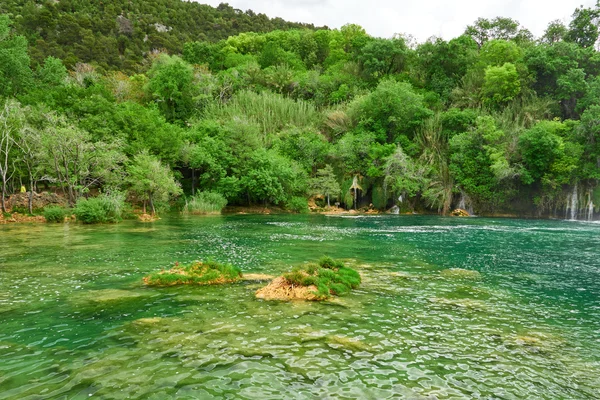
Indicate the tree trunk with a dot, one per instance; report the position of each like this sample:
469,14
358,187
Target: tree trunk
144,206
3,195
30,201
152,205
193,181
328,204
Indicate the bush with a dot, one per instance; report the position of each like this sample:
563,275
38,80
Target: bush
55,214
101,209
205,203
298,204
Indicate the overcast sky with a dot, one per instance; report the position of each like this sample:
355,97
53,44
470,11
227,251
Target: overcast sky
422,19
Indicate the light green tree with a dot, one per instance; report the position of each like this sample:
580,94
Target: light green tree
501,84
325,183
151,181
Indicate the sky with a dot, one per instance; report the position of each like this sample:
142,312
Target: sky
422,19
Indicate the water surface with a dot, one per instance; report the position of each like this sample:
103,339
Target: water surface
76,322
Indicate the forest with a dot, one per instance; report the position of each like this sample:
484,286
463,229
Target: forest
170,104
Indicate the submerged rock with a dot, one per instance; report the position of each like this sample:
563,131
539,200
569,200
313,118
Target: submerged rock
347,343
459,273
107,296
466,304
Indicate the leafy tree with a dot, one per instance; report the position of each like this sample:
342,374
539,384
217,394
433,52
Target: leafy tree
15,74
382,57
11,121
151,181
393,109
171,85
325,183
78,163
53,72
583,28
501,84
540,146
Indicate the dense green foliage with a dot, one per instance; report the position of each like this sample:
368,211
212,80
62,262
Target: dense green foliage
55,214
197,273
101,209
331,277
493,118
115,34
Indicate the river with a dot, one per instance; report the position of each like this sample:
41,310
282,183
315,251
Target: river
76,321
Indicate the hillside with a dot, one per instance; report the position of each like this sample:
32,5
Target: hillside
116,34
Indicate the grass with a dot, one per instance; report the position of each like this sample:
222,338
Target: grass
273,112
197,273
205,203
331,277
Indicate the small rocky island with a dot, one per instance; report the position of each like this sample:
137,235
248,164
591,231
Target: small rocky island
197,273
312,282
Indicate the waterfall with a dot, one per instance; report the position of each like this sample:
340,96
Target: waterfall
590,207
395,210
462,204
574,203
465,203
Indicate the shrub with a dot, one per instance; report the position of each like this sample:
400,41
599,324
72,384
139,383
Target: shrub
55,214
197,273
101,209
298,204
205,203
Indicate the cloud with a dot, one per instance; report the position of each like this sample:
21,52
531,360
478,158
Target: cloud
422,19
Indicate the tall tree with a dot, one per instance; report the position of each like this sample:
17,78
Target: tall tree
11,119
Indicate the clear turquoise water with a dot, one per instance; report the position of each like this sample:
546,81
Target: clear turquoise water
76,322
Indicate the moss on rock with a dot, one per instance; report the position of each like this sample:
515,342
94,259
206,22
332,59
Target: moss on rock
312,282
197,273
459,273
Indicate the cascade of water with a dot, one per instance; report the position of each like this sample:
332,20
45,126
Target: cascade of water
590,207
462,204
465,203
574,203
395,210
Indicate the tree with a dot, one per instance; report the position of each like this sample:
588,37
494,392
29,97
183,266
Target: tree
501,84
539,147
171,85
555,32
77,162
391,110
11,120
151,181
53,72
30,144
583,28
382,57
15,74
498,28
325,183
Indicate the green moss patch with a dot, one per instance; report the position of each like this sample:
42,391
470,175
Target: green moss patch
312,282
197,273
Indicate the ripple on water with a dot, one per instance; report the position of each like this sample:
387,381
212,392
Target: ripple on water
76,322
